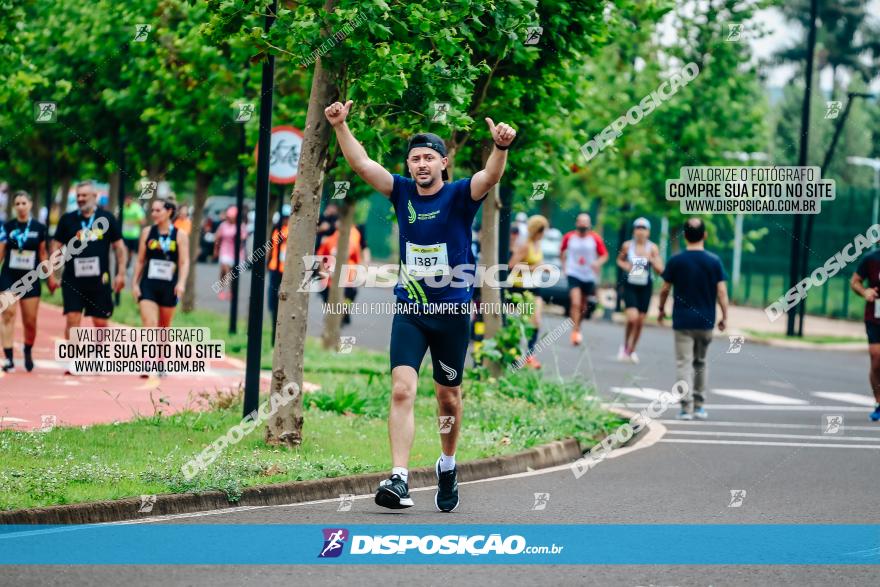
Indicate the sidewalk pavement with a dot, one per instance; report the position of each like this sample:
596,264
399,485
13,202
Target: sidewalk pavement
35,400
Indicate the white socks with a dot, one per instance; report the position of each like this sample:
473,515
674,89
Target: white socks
402,472
447,463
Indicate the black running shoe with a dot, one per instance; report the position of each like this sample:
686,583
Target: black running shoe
446,498
8,366
28,362
393,494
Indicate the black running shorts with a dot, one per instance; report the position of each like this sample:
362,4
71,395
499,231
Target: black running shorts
92,300
447,335
873,331
161,293
637,296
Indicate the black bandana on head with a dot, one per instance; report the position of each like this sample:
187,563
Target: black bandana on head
431,141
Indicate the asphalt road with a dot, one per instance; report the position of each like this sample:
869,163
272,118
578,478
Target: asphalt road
768,436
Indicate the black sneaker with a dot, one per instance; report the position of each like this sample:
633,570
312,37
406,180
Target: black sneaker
393,494
446,498
28,362
8,366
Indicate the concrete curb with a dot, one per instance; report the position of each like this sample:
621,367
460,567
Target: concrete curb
544,456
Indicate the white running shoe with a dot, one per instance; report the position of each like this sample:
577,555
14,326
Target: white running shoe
621,354
634,357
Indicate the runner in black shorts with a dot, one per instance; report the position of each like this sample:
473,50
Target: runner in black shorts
162,266
434,220
22,249
869,270
637,257
85,283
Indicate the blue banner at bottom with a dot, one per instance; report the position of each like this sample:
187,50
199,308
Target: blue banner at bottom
283,544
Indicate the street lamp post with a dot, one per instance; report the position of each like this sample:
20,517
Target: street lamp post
738,226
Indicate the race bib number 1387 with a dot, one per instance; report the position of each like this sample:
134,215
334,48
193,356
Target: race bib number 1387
427,260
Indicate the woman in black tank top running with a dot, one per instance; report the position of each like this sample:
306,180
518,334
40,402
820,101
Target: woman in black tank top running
162,266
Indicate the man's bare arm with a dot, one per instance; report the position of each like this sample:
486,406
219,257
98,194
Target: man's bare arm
484,180
721,291
368,170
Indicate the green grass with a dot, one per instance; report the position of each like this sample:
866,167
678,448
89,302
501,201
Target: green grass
102,462
814,339
345,432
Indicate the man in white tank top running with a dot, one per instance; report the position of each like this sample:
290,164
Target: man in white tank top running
637,257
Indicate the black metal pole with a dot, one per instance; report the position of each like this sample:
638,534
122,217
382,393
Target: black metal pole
258,274
121,203
797,223
50,171
239,203
808,232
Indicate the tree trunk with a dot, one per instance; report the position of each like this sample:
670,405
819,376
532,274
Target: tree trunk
203,182
489,257
285,427
333,319
114,195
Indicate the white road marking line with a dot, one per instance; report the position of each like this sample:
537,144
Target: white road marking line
759,435
761,425
761,397
709,407
648,393
847,397
4,419
756,443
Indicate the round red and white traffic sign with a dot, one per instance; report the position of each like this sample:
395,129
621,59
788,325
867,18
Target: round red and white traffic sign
284,154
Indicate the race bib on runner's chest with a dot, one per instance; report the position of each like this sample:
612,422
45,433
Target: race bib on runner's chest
86,267
639,273
161,270
22,259
427,260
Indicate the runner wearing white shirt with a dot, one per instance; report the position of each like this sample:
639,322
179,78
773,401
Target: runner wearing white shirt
583,253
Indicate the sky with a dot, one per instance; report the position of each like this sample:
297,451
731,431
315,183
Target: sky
781,34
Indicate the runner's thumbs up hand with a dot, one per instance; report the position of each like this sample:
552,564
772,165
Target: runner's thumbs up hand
336,112
503,134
